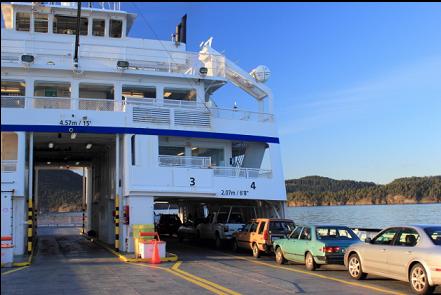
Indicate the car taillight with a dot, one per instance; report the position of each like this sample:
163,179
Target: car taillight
330,249
265,235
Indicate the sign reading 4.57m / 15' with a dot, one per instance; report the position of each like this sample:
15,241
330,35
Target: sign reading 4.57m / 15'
75,122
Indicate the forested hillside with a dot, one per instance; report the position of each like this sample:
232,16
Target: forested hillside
59,191
319,191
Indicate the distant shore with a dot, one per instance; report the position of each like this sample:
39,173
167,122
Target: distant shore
302,204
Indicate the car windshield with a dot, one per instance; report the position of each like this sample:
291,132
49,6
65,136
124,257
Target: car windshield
234,218
335,233
281,227
434,234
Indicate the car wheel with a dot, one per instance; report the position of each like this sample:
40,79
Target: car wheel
235,246
309,262
418,280
256,251
354,268
280,259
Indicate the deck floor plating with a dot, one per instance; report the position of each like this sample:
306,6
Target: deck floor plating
66,263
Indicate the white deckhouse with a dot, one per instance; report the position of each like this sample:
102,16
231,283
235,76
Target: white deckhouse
137,114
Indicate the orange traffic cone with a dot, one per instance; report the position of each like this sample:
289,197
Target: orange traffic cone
156,259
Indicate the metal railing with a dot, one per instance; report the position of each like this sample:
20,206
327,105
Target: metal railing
93,55
185,161
13,102
242,172
9,166
94,104
236,114
42,102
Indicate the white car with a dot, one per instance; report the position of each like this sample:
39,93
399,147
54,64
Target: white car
220,227
405,253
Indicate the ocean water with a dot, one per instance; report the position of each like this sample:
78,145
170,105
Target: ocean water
367,216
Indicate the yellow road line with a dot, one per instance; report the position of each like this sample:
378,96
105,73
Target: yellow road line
171,258
14,270
273,286
176,266
309,273
321,276
184,277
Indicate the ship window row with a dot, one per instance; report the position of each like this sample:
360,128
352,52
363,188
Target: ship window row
131,93
63,24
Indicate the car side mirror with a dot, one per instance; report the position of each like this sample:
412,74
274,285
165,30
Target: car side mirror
368,240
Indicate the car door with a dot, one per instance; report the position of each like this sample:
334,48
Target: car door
302,244
374,255
204,228
252,234
402,252
243,236
288,245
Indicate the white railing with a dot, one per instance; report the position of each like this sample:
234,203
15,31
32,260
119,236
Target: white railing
93,104
9,166
42,102
236,114
93,55
13,101
182,103
184,161
242,172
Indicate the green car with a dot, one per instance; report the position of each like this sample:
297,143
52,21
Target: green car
315,245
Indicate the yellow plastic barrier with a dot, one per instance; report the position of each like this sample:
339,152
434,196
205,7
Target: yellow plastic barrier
136,230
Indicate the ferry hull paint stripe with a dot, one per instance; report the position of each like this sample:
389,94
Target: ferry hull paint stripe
145,131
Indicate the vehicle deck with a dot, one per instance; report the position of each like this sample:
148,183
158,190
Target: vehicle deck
67,263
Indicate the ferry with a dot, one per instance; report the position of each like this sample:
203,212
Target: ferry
142,118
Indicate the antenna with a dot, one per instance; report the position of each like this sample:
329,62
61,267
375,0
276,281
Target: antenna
77,35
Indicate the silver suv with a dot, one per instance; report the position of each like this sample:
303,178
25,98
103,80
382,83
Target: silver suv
220,227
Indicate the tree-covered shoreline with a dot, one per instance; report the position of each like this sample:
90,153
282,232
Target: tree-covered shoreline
323,191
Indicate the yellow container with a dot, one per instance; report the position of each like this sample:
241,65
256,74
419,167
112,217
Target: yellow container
136,230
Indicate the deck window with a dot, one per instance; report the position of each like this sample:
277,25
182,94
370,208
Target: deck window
115,28
52,89
13,88
134,93
98,27
96,91
216,155
23,21
41,23
68,25
180,94
171,151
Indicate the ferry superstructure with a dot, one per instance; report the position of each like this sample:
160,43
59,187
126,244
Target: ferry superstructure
137,114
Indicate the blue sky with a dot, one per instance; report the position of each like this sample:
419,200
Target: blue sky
357,86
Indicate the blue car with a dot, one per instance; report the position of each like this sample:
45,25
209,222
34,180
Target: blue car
315,245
